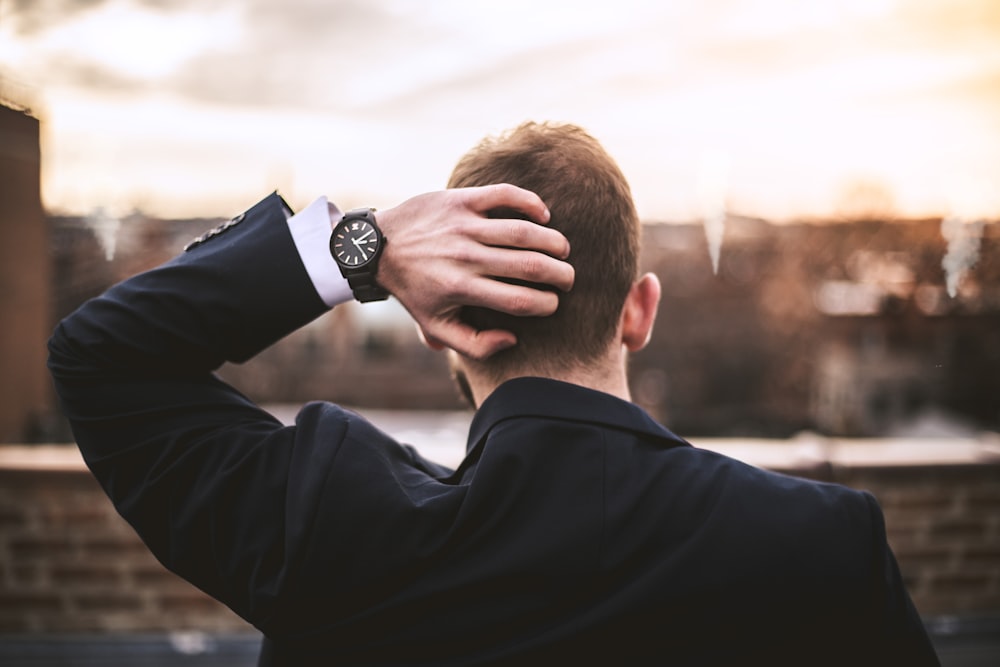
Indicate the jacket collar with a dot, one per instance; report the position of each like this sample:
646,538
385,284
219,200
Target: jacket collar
552,399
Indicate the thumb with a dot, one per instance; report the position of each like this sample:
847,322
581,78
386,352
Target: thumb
467,341
428,340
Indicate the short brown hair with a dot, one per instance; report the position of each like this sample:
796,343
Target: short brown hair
591,204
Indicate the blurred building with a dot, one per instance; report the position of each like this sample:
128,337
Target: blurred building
842,328
845,329
25,288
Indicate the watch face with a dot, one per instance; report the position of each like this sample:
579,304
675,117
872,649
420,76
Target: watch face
354,243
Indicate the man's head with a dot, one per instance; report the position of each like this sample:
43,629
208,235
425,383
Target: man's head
591,204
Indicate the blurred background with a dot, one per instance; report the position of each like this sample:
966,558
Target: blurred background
820,190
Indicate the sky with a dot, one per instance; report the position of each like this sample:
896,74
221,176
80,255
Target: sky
781,109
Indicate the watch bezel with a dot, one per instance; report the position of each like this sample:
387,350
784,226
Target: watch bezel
367,215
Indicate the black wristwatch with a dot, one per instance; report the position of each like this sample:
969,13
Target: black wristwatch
356,245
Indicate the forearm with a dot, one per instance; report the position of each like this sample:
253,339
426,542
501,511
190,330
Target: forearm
148,345
222,301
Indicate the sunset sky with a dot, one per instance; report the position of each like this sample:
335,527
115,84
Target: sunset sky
783,108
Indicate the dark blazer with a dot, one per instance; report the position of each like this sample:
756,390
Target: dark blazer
577,528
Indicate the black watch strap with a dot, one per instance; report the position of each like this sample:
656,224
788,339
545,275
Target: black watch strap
366,289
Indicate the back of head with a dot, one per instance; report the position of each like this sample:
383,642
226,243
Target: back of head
591,204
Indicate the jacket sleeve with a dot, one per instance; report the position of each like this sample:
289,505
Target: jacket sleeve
905,640
213,484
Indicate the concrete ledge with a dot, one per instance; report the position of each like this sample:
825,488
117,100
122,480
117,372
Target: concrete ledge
41,457
801,453
813,451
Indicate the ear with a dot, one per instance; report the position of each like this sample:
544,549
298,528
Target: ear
431,343
639,312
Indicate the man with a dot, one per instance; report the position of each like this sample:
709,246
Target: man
576,529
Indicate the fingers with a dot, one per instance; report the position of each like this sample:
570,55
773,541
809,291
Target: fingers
525,266
479,258
513,233
506,298
504,195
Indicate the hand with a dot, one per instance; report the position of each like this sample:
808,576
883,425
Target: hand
443,253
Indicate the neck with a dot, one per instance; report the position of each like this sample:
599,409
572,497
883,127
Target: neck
606,374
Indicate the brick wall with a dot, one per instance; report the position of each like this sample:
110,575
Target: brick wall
943,524
69,564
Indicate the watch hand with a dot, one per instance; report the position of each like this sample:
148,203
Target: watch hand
370,231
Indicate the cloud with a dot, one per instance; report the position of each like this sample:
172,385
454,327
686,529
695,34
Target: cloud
31,17
511,79
294,54
93,76
34,17
862,83
356,57
949,24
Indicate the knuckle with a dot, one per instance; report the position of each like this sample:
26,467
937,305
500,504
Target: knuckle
531,267
451,208
451,222
497,189
450,285
455,286
518,234
520,304
460,254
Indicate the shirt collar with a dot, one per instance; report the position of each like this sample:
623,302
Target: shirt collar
553,399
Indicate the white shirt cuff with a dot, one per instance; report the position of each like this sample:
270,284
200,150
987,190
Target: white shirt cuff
310,230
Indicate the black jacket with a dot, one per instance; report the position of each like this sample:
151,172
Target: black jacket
577,528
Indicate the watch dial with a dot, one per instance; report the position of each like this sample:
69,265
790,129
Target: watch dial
354,243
